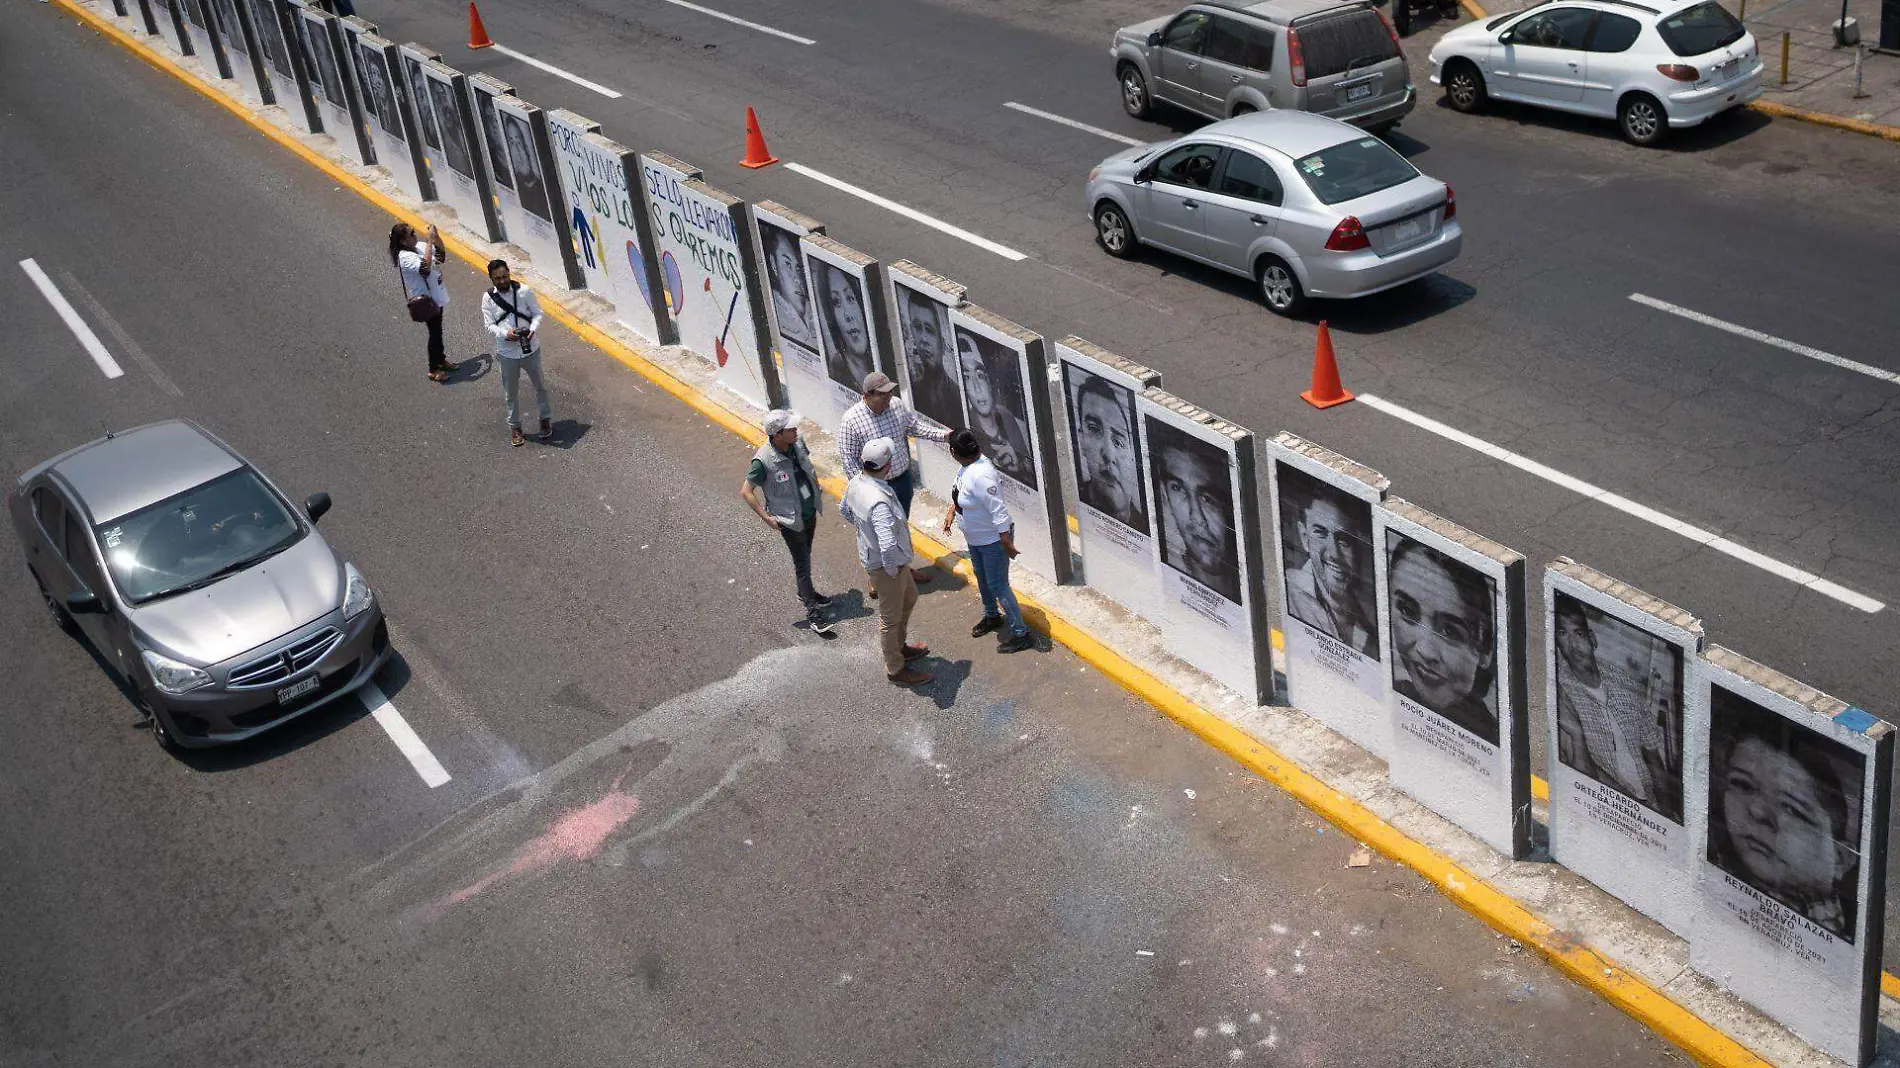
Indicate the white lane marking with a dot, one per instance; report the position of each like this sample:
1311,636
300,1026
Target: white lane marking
558,72
1767,339
909,213
1628,507
403,735
735,20
1072,124
87,339
131,348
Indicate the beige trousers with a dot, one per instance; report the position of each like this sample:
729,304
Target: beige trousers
896,596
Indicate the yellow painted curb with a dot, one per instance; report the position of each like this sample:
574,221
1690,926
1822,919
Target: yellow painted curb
1621,988
1822,118
1472,9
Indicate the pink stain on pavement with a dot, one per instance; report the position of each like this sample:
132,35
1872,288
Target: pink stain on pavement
578,835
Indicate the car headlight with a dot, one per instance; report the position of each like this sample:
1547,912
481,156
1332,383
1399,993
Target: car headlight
171,676
1094,173
356,600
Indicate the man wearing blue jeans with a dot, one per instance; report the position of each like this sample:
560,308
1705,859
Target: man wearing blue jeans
976,505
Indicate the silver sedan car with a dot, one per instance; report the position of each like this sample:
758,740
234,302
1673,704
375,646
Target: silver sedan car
1304,205
214,598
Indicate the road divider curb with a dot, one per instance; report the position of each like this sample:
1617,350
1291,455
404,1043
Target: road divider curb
1623,988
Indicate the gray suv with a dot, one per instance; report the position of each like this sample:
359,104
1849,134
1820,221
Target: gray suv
1220,60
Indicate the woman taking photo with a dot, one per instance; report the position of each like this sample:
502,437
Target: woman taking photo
420,264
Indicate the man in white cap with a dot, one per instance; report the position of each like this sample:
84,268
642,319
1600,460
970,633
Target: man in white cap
783,489
883,414
884,548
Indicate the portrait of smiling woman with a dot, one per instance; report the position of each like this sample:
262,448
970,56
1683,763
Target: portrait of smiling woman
846,323
1444,635
1785,811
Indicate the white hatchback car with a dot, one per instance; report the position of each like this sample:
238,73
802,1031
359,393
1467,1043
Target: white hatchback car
1651,66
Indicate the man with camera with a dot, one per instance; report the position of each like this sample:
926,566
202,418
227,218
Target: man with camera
511,313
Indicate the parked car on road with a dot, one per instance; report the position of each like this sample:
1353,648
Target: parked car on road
1305,205
193,577
1652,66
1220,60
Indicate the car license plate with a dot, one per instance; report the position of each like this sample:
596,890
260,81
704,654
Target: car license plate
1409,230
298,689
1358,92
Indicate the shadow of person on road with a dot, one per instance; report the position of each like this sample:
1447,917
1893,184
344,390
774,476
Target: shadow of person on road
849,605
473,369
567,434
948,677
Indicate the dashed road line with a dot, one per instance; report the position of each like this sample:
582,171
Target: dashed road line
87,339
613,94
1767,563
403,735
1767,339
909,213
737,21
1074,125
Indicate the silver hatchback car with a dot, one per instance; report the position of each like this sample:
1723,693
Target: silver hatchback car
215,599
1332,57
1305,205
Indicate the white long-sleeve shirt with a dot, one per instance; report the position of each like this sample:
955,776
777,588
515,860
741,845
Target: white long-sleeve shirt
421,275
499,320
981,513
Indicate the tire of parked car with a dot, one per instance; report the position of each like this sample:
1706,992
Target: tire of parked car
1280,287
1642,119
1135,99
1113,230
1464,87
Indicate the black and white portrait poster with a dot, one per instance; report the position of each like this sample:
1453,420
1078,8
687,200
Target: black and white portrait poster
1793,867
1197,542
1615,689
1322,516
1114,519
447,120
379,87
1005,380
270,38
841,281
524,161
353,49
793,312
1459,742
995,406
928,367
493,142
326,79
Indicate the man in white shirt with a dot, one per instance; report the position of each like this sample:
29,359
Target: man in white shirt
884,549
513,315
976,504
883,414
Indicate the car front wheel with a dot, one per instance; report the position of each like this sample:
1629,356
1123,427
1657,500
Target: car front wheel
1135,99
1643,120
1464,87
56,611
1114,232
1280,287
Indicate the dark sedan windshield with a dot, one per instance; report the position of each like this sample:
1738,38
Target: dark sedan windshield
1353,170
196,537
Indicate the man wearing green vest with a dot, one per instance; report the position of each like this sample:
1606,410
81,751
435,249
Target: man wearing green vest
782,488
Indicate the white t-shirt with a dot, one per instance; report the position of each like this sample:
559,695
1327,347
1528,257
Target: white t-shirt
416,281
980,508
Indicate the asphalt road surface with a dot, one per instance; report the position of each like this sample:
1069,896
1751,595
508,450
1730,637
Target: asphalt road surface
1530,341
678,830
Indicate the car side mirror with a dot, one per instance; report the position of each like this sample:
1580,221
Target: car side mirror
1154,39
315,505
84,603
1505,37
1144,176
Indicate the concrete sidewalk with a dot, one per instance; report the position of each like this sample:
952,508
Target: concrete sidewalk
1821,74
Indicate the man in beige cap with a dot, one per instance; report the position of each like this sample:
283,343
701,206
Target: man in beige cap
884,549
782,488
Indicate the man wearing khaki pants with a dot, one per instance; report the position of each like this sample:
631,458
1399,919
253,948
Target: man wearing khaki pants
884,549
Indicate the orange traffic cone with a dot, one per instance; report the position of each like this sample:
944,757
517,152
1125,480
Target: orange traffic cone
477,33
756,154
1326,390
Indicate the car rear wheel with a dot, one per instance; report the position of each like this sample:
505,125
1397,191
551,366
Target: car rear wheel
1135,98
1642,118
1464,87
1114,232
1280,287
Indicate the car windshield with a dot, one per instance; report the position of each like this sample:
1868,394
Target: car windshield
1354,169
197,537
1700,29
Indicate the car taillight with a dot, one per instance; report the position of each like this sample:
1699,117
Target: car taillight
1681,72
1397,48
1295,59
1451,204
1348,236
